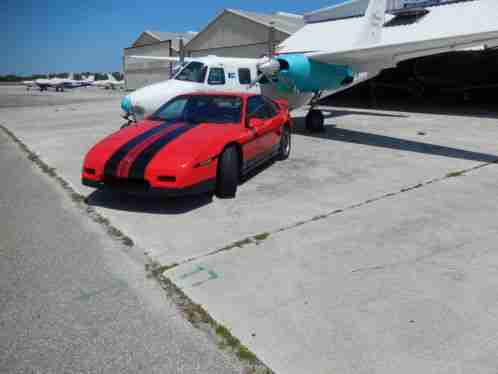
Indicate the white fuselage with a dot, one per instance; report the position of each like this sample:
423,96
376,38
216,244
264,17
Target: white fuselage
211,74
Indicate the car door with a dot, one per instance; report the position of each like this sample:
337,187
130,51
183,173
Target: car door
268,130
252,150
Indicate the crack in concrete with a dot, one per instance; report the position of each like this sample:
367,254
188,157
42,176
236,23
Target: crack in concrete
254,239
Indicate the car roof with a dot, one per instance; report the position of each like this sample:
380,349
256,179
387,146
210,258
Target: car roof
221,93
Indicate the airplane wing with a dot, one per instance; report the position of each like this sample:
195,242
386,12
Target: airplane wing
445,28
391,55
160,58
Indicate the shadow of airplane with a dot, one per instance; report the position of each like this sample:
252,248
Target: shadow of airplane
382,141
408,105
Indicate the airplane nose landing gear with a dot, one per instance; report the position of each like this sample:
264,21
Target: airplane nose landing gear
315,121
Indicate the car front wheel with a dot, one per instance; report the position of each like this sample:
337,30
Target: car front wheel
285,144
227,178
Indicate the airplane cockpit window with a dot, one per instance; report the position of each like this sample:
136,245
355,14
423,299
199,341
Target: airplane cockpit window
193,72
244,76
216,76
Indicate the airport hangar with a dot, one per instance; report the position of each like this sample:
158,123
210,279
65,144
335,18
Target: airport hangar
233,33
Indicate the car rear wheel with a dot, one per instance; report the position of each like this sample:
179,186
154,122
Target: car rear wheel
227,178
285,144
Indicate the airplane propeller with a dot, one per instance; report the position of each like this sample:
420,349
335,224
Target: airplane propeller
268,66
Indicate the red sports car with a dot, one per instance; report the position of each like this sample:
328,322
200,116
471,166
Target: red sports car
195,143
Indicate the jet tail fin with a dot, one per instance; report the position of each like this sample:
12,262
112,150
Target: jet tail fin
111,77
373,21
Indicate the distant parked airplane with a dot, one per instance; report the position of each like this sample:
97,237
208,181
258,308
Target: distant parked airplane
109,83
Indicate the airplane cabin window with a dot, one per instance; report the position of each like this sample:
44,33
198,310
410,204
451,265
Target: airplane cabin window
244,76
216,76
193,72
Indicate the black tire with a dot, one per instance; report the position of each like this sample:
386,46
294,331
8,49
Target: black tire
227,178
285,144
315,121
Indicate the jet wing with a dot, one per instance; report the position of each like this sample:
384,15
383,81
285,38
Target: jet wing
446,27
386,56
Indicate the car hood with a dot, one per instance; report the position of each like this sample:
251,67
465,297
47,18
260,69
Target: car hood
152,146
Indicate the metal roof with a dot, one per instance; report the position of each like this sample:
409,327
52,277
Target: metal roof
442,21
286,22
173,36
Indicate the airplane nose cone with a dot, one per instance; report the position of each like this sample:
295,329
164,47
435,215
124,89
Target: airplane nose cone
126,104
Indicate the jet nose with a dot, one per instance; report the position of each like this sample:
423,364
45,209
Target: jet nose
126,105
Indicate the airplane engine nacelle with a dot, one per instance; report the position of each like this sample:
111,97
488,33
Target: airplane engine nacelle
311,76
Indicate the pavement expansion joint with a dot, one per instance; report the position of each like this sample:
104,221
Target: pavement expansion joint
259,238
76,197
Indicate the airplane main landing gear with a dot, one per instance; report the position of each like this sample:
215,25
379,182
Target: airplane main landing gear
315,121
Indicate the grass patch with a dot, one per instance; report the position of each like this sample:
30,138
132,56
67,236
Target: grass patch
200,319
245,354
154,269
261,237
455,174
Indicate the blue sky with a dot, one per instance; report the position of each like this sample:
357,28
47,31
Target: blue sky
66,35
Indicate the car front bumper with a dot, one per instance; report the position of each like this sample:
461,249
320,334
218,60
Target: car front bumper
143,188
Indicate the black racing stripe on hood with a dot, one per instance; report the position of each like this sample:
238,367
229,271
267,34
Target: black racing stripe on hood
111,166
137,170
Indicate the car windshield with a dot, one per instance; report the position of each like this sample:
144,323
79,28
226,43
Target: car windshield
192,72
201,108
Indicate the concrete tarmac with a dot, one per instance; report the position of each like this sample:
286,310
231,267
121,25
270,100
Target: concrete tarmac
73,300
371,250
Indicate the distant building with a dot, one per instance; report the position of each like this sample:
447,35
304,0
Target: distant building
233,33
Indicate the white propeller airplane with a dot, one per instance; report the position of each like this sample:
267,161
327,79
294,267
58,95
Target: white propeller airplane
28,84
109,83
312,63
59,84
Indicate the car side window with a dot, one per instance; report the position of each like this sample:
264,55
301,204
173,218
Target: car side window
216,76
244,76
272,107
257,108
